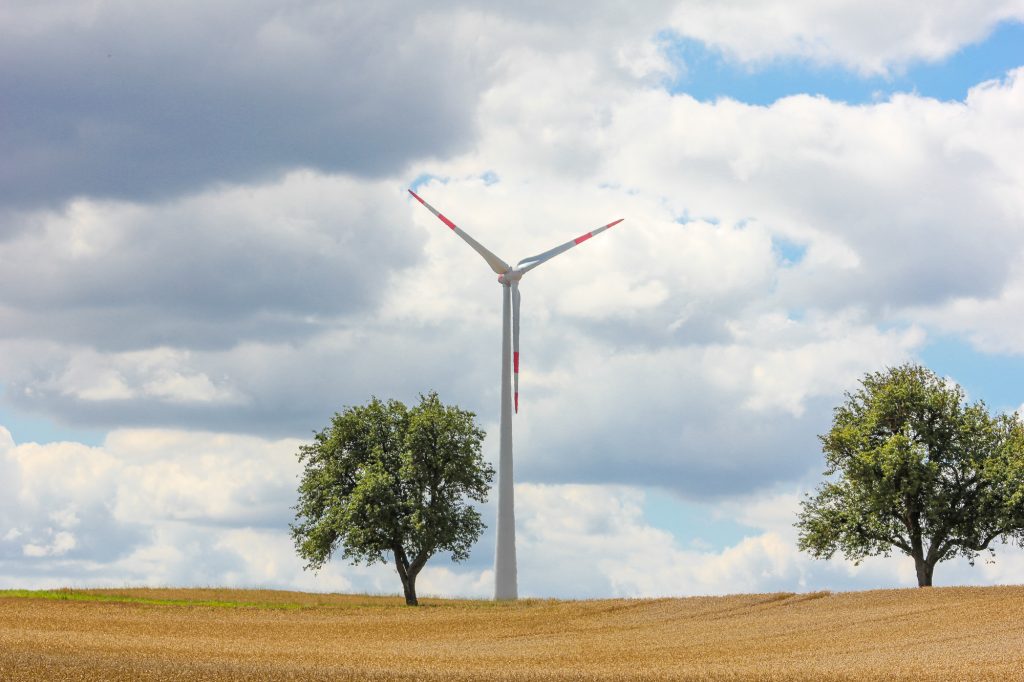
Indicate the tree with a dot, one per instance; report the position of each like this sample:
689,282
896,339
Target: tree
386,479
916,469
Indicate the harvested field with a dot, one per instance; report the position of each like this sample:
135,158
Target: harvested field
169,634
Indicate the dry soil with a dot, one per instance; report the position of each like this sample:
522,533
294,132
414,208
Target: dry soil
930,634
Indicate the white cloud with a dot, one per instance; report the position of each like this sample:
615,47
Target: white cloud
897,203
179,508
594,540
61,543
162,374
231,264
703,419
66,518
258,306
874,37
439,580
161,507
992,324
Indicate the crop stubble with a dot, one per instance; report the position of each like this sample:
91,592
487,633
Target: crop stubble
931,634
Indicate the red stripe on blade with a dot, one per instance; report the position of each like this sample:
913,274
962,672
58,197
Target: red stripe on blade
515,361
580,240
417,197
446,221
615,223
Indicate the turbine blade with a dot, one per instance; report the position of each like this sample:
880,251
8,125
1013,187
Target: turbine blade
499,266
515,342
530,263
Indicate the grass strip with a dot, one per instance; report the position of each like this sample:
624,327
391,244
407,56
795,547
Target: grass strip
72,595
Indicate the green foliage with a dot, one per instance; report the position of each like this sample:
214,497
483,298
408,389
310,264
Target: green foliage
916,468
384,479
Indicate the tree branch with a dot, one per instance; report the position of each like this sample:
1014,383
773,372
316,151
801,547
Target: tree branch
899,544
419,562
964,542
990,538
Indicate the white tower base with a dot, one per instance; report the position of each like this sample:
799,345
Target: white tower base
505,578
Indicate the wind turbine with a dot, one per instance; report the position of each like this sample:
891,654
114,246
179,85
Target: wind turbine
505,581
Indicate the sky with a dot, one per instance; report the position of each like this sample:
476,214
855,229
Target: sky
207,249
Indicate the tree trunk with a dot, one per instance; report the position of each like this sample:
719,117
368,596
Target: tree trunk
409,585
924,571
407,574
924,566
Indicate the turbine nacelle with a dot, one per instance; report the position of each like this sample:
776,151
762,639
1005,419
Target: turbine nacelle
511,276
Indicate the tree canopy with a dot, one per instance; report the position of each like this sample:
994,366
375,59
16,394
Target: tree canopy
384,479
916,468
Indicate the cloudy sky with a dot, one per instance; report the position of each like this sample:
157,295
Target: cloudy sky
207,248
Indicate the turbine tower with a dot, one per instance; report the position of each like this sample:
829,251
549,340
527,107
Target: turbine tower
505,579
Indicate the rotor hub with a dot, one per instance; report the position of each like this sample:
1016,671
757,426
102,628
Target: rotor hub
512,275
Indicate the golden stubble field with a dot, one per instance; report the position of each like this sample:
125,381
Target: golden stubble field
932,634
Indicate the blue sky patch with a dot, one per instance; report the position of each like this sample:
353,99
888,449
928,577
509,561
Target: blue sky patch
423,179
709,75
693,525
996,379
27,428
789,252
